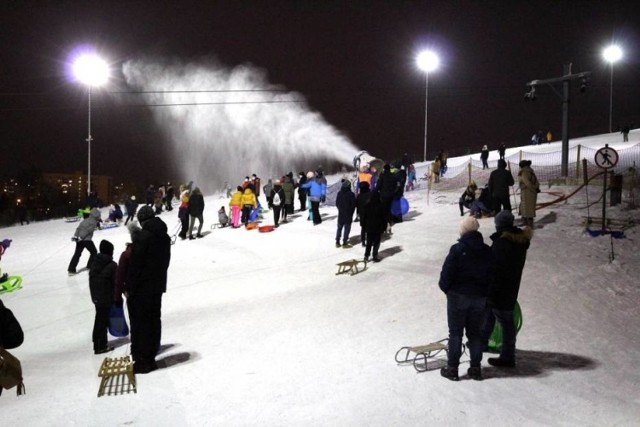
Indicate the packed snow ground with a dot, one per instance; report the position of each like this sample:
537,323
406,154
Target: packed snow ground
258,329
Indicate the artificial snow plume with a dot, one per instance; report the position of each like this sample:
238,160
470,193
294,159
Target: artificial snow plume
225,123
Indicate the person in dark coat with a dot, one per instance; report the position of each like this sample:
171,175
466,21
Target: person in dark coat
278,203
401,179
468,197
387,186
346,204
83,238
374,221
102,278
132,207
467,272
501,150
482,205
11,334
196,209
499,182
484,156
364,195
170,194
510,245
289,189
146,283
302,192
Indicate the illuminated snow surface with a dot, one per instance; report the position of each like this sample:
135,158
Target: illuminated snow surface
259,330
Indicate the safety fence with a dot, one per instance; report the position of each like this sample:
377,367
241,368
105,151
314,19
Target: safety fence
547,167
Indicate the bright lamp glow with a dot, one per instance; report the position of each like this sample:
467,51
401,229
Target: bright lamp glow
91,70
612,54
428,61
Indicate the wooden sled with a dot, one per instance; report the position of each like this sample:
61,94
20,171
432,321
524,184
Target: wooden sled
352,267
424,357
117,376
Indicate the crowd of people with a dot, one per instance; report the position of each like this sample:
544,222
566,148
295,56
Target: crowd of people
481,282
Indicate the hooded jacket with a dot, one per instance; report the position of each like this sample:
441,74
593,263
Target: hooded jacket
346,203
102,278
509,249
150,256
88,225
196,203
469,267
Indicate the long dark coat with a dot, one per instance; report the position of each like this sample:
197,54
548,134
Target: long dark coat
510,252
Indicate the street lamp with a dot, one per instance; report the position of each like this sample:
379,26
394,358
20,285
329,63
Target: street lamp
91,71
611,54
427,62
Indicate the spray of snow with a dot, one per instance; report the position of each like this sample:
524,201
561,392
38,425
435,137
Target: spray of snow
225,123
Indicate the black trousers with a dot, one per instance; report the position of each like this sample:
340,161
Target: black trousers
276,214
145,312
81,246
373,242
100,325
315,212
505,202
303,201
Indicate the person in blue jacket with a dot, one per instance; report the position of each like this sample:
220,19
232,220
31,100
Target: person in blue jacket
467,272
317,192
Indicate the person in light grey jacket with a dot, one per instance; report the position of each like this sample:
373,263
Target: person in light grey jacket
83,238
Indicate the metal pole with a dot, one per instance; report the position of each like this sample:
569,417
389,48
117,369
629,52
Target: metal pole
426,99
89,148
611,100
564,167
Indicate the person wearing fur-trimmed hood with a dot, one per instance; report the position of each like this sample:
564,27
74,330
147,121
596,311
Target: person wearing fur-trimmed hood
509,248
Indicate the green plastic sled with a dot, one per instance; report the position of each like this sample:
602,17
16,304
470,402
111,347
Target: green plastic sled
13,283
495,340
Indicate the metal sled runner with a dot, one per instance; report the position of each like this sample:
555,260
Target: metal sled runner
117,376
424,357
351,267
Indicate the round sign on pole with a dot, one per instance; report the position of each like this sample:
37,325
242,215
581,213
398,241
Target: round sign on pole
606,157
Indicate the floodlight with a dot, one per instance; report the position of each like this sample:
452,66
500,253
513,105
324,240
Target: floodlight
428,61
612,54
91,70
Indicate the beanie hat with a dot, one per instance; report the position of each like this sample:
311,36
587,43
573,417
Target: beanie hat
468,225
6,243
145,213
310,174
503,219
346,183
502,164
106,247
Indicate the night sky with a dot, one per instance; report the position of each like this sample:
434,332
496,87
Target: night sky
353,61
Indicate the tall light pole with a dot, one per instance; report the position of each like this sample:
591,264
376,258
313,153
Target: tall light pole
91,71
427,62
611,54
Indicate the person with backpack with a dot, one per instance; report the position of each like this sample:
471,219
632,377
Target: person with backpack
277,197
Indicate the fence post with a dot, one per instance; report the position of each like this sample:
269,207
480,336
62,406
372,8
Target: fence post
469,171
578,162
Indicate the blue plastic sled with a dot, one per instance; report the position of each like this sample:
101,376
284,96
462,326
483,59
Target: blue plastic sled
399,206
117,323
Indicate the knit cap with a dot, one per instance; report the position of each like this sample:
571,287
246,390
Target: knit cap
504,219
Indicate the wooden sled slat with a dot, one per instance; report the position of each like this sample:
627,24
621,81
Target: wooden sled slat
114,373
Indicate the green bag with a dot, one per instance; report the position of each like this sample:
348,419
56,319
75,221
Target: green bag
495,340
